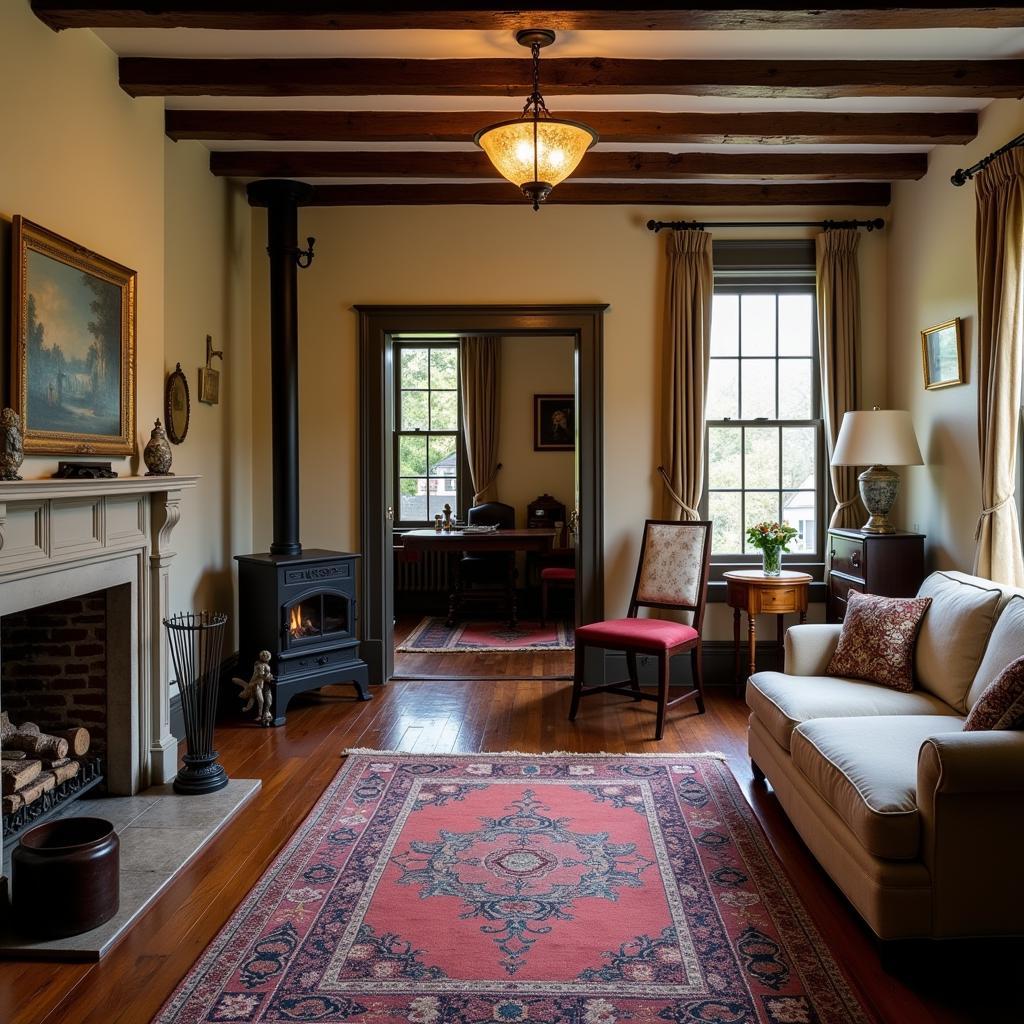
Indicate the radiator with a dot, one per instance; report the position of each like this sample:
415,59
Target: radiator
428,574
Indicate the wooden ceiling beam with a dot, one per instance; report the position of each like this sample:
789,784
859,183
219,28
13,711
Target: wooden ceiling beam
599,164
283,15
561,76
784,127
501,193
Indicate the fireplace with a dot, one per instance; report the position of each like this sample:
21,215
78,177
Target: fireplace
300,606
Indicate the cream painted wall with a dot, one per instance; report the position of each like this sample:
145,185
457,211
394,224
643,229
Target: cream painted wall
933,279
85,160
502,254
532,366
206,291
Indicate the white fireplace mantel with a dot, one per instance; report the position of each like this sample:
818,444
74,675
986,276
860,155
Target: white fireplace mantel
61,538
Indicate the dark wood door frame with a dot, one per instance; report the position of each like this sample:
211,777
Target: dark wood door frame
378,326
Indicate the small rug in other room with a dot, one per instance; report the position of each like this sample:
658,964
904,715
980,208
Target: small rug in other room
551,889
432,636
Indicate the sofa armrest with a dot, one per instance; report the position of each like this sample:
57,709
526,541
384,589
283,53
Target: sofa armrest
970,795
809,648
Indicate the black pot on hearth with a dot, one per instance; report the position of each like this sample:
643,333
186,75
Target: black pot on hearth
65,877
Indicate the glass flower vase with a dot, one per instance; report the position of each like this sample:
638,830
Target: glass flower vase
771,561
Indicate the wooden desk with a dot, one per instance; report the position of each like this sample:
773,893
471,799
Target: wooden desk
491,543
757,594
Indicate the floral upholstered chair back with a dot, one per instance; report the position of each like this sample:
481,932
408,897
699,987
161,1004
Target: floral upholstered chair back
673,565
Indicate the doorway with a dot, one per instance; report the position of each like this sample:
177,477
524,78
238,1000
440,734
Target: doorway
384,327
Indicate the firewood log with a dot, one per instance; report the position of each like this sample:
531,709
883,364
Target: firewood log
11,803
38,743
16,774
13,755
49,763
63,772
78,740
41,784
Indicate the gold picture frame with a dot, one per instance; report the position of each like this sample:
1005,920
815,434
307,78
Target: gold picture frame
73,346
942,355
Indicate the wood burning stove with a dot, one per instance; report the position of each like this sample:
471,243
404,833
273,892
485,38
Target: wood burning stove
300,606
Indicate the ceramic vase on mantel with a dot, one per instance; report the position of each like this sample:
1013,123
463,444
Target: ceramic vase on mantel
157,453
771,561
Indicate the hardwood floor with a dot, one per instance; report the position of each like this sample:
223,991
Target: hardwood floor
943,983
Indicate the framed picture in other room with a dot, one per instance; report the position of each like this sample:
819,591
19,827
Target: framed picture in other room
73,346
554,423
942,355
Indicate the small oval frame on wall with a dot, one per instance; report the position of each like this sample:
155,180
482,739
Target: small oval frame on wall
177,405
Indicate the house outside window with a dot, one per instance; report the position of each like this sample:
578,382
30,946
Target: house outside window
428,430
765,440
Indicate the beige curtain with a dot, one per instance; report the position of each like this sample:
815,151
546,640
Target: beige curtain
687,350
838,345
480,374
1000,237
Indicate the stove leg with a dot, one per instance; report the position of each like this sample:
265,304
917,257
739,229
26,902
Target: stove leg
361,682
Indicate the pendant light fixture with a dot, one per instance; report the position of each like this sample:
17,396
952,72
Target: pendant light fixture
535,151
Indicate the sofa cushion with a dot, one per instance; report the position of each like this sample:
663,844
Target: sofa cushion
954,634
866,770
877,641
1001,706
782,702
1006,644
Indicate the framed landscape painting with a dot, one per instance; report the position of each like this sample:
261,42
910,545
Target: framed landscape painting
73,346
942,355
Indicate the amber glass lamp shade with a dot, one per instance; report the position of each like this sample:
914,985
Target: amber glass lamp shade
535,153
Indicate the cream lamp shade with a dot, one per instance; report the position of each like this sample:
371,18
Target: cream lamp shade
879,439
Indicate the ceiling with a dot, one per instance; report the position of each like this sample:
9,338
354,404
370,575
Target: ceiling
723,104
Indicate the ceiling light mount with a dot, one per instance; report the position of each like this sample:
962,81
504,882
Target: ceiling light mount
536,150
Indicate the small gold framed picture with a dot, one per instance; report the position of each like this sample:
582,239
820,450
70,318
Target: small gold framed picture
942,355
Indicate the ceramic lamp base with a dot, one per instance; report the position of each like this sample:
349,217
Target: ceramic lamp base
879,486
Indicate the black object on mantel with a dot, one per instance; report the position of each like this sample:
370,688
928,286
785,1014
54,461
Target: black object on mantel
84,471
299,606
302,608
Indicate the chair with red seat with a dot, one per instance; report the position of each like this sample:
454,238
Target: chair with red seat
672,574
554,576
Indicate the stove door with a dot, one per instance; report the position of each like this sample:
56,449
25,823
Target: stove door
319,617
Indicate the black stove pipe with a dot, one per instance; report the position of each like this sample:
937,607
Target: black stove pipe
282,200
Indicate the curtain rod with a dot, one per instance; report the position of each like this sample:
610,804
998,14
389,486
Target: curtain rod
692,225
964,174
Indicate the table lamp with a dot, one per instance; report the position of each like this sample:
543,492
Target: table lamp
880,438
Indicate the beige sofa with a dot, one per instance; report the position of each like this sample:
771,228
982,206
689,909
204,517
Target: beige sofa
918,822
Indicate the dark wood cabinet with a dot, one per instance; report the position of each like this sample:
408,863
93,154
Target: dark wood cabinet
887,564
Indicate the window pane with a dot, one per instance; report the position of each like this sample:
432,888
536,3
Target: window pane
725,468
795,389
412,503
798,509
799,451
413,368
758,325
758,389
761,506
442,492
444,368
723,389
725,325
414,410
442,455
796,325
412,456
724,510
762,456
444,410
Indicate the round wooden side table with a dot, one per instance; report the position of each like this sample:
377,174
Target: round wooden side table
753,592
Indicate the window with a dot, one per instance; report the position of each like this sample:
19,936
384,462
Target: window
428,439
764,434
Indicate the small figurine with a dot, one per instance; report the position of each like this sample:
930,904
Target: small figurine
258,689
437,523
12,451
157,453
447,517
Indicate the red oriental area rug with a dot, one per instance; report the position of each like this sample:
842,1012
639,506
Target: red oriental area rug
432,636
553,889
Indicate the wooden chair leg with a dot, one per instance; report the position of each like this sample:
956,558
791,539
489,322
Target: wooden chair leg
577,680
697,660
543,601
634,679
664,664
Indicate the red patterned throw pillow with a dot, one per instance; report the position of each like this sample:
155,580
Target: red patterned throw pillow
1001,705
877,641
